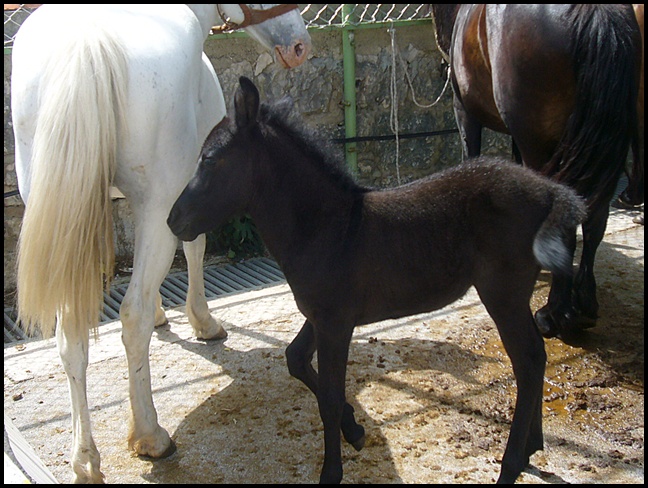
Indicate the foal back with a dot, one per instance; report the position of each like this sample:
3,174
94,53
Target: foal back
420,247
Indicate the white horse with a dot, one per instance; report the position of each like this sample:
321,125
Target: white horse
124,96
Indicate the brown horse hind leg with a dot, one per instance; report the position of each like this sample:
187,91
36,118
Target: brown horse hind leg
559,315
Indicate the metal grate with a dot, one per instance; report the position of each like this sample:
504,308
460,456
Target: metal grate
219,280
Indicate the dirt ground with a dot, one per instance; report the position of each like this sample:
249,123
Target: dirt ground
434,392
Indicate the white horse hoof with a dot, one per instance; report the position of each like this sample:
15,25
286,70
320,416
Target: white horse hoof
213,331
83,478
158,445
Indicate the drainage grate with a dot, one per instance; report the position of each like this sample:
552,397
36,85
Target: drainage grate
12,333
219,280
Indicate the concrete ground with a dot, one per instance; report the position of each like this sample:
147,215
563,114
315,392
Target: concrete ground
435,393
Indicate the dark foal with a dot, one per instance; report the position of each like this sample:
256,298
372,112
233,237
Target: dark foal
353,256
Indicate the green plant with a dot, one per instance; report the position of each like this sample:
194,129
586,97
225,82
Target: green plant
237,238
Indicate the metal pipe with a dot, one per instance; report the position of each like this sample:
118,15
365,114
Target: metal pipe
348,64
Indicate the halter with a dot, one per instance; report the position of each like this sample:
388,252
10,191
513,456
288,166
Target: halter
252,16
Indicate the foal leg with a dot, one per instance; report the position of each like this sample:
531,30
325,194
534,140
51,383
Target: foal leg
73,349
525,347
154,249
299,355
332,354
204,325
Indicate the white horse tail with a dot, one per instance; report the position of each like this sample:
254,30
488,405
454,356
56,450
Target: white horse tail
65,250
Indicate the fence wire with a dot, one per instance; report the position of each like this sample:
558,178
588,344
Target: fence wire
333,15
316,16
14,16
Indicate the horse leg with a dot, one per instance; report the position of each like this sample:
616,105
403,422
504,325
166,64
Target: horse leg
510,311
585,283
517,155
633,195
154,249
559,314
73,349
332,354
204,325
299,355
470,130
160,317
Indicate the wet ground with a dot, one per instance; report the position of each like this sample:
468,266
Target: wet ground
435,393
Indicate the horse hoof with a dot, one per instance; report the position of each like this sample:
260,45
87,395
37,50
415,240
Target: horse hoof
545,323
585,322
170,450
359,444
167,453
213,330
221,334
163,323
623,203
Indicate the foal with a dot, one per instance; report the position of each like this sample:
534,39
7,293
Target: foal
353,256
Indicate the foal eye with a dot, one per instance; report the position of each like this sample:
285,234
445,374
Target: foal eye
207,159
213,161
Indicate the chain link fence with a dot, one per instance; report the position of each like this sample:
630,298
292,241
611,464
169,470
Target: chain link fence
316,16
14,16
319,16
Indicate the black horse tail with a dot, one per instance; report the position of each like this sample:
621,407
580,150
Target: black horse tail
606,52
550,245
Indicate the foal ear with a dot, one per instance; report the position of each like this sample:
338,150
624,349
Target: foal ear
246,103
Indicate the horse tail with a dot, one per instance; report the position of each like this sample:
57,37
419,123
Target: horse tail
605,52
65,249
550,248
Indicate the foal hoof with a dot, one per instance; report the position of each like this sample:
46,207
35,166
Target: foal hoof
359,444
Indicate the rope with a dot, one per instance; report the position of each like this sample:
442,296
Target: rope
393,90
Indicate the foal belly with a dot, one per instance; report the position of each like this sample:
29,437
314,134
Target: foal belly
396,300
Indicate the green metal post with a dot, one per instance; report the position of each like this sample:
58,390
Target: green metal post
348,64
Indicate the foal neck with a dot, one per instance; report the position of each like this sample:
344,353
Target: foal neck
303,199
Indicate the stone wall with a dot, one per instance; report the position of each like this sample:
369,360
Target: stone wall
316,88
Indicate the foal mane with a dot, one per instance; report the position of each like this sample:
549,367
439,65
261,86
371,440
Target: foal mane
280,127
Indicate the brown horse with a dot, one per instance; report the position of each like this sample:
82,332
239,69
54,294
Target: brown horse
633,195
353,255
562,80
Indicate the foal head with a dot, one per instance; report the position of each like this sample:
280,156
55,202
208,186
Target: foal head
261,159
226,176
